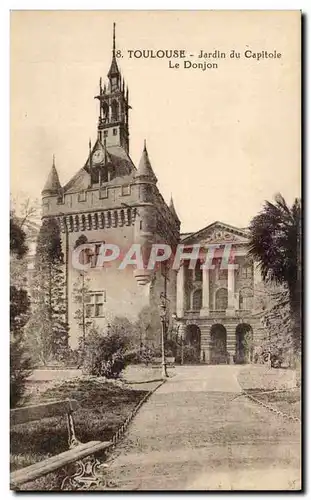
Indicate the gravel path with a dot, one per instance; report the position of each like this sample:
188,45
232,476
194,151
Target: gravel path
198,432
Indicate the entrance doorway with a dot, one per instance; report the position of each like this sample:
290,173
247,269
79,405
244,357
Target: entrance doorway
192,347
244,343
218,344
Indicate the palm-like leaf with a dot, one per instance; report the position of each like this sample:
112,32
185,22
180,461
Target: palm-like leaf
274,237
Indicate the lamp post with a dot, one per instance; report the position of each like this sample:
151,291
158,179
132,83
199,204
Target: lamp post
163,324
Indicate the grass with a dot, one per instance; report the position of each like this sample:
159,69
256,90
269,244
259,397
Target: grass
260,377
273,386
287,401
103,408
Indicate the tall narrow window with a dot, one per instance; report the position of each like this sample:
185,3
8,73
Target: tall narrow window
221,299
197,300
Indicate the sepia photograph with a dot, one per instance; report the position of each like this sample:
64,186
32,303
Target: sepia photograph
155,250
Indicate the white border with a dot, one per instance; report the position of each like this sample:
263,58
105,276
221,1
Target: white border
5,7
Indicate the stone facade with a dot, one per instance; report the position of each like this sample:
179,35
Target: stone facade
110,200
215,307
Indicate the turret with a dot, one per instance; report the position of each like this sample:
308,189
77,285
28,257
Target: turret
52,186
145,171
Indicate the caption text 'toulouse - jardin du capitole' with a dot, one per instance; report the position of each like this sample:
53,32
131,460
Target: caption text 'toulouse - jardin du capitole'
202,60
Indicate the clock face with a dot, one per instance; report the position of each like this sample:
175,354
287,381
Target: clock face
98,156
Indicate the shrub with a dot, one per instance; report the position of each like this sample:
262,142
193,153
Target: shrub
190,354
106,352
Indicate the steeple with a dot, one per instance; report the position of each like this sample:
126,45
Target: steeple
145,170
113,122
52,185
172,208
114,70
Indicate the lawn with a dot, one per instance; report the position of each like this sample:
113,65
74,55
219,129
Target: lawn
260,377
104,407
273,386
288,402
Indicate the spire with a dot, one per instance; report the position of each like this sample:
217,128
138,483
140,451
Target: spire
114,70
90,153
52,185
172,208
144,168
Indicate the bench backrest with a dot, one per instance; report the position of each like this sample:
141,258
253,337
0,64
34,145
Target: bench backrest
44,410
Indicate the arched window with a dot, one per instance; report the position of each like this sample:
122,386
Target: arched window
114,111
105,112
221,299
246,299
197,300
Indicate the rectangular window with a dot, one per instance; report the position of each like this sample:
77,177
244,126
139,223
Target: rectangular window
95,304
82,196
103,193
105,133
126,190
246,271
115,131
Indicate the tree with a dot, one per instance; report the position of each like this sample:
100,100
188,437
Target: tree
48,329
80,297
275,245
149,326
20,364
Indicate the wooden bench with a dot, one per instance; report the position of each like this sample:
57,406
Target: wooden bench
88,468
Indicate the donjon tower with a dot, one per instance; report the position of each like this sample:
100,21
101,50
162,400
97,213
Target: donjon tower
110,200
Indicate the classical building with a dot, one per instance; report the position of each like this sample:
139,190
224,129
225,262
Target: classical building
110,200
216,311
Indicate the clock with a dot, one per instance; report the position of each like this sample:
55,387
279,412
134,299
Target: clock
98,156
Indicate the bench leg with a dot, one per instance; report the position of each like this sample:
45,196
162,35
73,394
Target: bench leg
88,473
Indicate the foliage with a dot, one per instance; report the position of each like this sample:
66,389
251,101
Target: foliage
275,245
20,365
80,297
190,354
149,326
106,352
277,322
48,330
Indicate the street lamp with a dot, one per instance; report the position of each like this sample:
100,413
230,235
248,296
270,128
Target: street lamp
162,308
175,319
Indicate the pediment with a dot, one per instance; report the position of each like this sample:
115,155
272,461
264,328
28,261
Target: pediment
217,232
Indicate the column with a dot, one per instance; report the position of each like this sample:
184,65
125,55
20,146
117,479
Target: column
180,285
231,288
205,343
231,342
205,305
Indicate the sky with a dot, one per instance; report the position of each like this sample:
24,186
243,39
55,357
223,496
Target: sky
221,141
